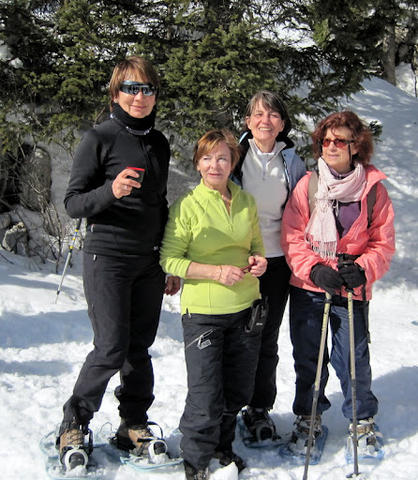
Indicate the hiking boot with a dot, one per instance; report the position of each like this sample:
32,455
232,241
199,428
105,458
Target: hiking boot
369,439
227,457
299,440
259,423
194,473
72,450
139,440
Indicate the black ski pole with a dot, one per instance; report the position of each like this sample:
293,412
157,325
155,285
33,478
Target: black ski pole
322,343
69,254
353,382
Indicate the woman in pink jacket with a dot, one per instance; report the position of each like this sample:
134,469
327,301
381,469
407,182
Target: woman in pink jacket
343,241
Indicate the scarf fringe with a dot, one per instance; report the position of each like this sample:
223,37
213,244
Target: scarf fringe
326,250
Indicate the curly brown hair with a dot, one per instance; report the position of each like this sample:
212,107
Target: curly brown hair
361,134
211,139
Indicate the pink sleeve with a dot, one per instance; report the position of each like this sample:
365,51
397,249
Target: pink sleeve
299,254
381,245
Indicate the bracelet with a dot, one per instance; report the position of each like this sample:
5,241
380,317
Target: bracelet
220,273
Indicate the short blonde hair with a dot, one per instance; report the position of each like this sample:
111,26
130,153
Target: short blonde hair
211,139
139,67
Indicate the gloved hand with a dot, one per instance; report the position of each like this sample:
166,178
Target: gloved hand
326,278
353,275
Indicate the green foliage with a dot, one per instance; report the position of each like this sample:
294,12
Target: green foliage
212,57
376,128
209,80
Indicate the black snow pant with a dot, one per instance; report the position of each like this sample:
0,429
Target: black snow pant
274,285
306,314
221,360
124,296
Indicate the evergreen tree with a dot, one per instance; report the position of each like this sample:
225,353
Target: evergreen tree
212,57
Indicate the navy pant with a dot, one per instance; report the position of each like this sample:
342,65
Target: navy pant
221,360
124,296
306,314
274,285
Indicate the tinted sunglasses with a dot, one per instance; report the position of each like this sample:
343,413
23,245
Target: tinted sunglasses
338,142
133,88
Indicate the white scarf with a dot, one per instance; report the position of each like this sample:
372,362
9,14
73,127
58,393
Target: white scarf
321,230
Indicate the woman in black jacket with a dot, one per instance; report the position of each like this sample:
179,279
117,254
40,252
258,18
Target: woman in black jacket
119,183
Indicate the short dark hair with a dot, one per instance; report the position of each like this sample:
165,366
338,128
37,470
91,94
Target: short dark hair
273,102
360,132
211,139
141,68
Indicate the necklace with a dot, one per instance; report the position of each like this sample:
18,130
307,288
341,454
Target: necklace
129,129
226,197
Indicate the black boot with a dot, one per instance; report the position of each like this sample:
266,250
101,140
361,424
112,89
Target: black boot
259,423
139,440
228,456
193,473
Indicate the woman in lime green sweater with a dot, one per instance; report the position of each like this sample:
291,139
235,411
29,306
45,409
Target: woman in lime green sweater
213,241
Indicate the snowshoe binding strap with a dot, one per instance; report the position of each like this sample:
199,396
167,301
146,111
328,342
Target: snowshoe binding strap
264,432
300,436
74,457
75,452
368,438
157,451
259,424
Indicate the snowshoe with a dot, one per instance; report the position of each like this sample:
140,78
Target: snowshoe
296,448
369,441
257,428
81,459
140,448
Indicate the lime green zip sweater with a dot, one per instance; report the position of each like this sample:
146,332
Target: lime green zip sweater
200,229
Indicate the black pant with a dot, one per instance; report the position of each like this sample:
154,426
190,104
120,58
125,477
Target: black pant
221,360
306,314
124,296
274,285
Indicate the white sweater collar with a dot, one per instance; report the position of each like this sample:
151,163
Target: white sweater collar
265,157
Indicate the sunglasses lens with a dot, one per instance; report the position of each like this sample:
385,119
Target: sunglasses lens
338,142
133,88
147,91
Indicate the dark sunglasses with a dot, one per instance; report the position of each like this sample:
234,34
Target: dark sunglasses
338,142
133,88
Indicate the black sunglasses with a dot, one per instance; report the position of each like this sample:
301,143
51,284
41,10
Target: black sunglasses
133,88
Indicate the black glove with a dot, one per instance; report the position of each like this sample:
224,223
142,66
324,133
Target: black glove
326,278
353,275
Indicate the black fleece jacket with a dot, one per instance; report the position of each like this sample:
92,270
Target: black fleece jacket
134,224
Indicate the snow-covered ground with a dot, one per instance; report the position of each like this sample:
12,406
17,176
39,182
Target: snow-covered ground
43,344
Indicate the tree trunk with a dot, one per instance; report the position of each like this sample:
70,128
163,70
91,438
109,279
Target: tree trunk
389,54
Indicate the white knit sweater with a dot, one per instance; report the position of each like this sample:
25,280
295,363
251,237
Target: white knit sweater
264,177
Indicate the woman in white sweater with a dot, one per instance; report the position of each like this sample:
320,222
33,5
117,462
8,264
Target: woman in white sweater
269,169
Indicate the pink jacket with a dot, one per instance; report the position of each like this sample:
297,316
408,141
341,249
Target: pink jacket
375,244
